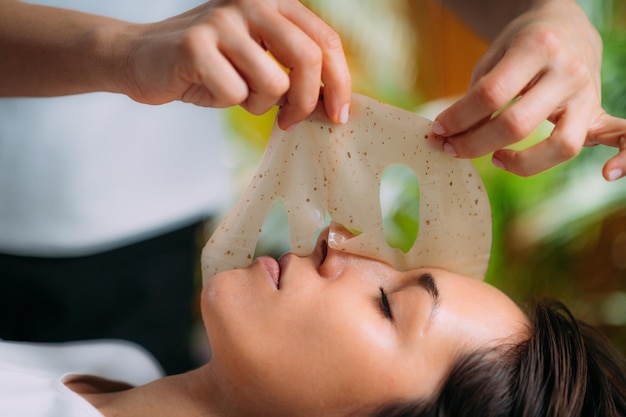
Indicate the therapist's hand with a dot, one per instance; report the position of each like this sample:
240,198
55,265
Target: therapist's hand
215,55
550,57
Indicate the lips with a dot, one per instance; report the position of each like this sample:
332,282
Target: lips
271,267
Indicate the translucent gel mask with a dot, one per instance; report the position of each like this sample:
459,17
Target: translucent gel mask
319,167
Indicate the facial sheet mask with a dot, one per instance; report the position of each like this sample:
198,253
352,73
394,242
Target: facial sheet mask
319,167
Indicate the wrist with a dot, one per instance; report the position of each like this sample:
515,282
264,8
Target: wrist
111,46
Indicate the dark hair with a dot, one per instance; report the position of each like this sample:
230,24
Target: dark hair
564,368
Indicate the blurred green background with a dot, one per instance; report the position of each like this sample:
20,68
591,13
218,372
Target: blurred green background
560,234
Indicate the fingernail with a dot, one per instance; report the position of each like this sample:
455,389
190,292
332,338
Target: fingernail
615,174
449,149
438,128
498,163
343,115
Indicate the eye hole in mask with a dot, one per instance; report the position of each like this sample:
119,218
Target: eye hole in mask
321,170
399,203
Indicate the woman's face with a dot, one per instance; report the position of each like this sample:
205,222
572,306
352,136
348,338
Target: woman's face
333,333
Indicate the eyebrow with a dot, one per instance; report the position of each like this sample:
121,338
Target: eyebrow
427,282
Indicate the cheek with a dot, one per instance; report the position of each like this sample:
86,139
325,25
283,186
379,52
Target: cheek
309,345
345,354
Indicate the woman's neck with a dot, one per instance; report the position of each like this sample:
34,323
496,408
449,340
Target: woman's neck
193,393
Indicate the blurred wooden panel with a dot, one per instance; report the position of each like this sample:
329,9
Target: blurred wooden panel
447,50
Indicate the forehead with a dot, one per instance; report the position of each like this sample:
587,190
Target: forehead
319,168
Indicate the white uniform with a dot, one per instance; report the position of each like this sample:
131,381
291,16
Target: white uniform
32,376
86,173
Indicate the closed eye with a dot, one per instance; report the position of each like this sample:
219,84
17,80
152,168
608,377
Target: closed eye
385,307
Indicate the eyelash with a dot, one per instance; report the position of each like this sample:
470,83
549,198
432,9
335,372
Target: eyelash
384,304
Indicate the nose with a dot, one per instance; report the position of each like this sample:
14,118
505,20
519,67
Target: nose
337,234
332,236
330,262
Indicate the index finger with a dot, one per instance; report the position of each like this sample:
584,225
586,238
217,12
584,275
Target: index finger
335,72
507,80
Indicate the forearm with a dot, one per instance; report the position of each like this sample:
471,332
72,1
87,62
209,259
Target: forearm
488,17
213,55
49,51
